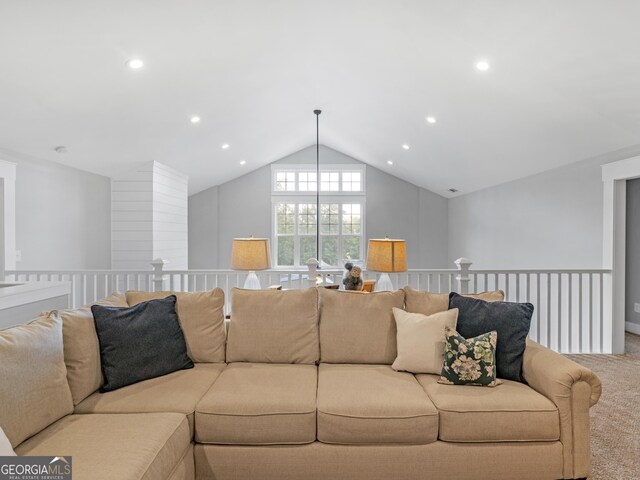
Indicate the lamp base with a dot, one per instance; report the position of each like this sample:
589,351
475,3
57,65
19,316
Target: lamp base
252,282
384,283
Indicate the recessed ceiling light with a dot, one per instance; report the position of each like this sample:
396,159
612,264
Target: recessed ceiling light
453,190
135,63
243,162
431,119
224,146
195,119
483,65
61,149
390,162
406,147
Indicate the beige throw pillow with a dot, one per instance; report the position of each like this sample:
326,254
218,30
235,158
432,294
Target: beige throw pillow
421,340
5,446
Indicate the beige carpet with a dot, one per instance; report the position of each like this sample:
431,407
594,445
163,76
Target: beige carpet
615,420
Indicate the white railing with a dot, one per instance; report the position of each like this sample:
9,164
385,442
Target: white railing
572,307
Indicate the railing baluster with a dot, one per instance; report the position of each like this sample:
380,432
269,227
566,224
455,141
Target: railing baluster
601,296
84,290
549,310
591,306
559,312
570,314
538,307
580,313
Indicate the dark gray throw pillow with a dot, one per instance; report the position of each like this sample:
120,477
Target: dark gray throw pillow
512,322
140,342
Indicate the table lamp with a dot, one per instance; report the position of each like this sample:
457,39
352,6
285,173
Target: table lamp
251,254
386,255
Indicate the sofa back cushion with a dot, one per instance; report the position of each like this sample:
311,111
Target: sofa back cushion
81,348
358,328
274,326
201,317
34,391
427,303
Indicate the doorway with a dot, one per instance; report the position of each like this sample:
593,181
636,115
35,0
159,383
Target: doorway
615,176
632,263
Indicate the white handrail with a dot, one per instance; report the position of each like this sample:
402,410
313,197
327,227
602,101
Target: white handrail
573,312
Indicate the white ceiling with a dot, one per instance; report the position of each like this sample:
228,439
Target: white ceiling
564,84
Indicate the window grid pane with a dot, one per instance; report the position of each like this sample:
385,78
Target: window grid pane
351,220
307,182
286,217
351,182
307,249
329,218
307,222
285,181
329,248
286,246
330,181
351,247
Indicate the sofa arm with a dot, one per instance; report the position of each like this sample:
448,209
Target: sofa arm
573,389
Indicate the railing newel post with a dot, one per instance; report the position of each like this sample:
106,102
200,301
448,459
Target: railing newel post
312,265
463,278
158,275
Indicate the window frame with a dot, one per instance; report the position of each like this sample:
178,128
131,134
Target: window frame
311,168
298,198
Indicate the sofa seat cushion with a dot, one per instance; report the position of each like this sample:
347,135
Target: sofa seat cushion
511,412
133,447
260,404
373,404
177,392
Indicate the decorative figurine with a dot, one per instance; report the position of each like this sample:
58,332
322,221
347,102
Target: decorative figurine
353,281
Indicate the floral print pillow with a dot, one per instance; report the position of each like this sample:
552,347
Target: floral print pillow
469,361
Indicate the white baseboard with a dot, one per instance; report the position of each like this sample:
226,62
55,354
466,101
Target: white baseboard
632,327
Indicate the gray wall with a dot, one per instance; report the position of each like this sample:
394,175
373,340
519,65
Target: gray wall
63,218
394,208
633,250
203,229
549,220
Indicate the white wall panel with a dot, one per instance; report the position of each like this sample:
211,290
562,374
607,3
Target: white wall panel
149,211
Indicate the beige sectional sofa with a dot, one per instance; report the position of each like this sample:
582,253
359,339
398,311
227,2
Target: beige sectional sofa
300,387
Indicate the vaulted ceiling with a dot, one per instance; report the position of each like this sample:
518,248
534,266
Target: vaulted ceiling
563,84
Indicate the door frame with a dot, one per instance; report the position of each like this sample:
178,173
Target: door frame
8,217
615,176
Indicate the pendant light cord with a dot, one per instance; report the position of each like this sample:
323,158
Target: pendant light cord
317,113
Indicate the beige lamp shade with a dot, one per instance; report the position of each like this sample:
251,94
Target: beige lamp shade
387,255
250,254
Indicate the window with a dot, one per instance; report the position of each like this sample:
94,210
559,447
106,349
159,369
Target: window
296,219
